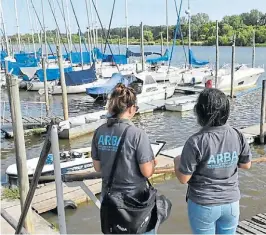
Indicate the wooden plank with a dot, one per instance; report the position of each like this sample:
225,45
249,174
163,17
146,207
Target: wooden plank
247,228
240,231
253,130
263,216
255,226
259,220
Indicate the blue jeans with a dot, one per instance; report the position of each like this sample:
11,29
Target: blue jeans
222,219
150,232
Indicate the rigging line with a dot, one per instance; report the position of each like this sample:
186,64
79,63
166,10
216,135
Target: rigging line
174,41
60,35
72,6
103,33
41,25
64,18
182,38
109,27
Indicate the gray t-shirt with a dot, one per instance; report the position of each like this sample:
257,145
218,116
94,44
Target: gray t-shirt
136,150
212,156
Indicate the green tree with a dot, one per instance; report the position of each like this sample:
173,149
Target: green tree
148,36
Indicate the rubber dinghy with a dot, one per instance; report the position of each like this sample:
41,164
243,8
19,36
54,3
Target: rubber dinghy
71,161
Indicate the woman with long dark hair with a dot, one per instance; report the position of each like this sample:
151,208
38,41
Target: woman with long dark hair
209,164
137,161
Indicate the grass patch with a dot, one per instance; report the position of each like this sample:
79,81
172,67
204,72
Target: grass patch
10,194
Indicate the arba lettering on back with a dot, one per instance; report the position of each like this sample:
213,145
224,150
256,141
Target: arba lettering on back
108,143
223,160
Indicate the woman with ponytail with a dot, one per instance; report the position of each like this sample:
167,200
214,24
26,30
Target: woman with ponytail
209,164
136,162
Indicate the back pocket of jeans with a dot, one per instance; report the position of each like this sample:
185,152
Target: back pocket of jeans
235,209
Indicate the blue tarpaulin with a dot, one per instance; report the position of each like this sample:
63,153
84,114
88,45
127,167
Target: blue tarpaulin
16,67
76,58
165,57
52,74
26,58
74,78
107,87
194,61
117,59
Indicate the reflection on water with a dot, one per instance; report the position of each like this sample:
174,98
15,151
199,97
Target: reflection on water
172,127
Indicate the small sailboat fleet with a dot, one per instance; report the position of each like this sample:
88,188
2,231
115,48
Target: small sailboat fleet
96,73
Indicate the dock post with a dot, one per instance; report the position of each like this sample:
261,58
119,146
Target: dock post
253,49
217,54
21,159
263,112
45,86
62,81
58,181
142,46
233,67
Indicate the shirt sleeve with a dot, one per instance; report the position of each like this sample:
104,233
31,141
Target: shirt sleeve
94,150
188,161
245,155
144,151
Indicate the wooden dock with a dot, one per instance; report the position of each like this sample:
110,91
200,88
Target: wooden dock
256,225
253,131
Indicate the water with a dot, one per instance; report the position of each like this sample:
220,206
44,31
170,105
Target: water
172,127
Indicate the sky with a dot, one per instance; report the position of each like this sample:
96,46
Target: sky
150,12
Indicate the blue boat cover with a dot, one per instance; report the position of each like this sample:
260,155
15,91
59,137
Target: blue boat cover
74,78
52,74
26,58
16,67
118,59
107,87
194,61
165,57
76,58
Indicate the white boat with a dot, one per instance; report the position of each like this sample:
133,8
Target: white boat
181,104
56,89
162,73
191,76
244,77
71,161
36,85
148,89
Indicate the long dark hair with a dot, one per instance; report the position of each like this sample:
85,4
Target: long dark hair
121,98
212,108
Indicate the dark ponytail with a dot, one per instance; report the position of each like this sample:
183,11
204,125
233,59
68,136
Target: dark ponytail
121,98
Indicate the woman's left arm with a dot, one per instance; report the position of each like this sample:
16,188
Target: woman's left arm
94,155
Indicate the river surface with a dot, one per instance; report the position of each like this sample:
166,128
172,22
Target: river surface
172,127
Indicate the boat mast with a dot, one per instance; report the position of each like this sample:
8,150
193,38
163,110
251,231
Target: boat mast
32,31
167,30
16,11
189,30
4,29
126,15
92,26
96,29
69,26
79,32
88,31
44,31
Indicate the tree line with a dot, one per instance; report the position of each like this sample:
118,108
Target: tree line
203,31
